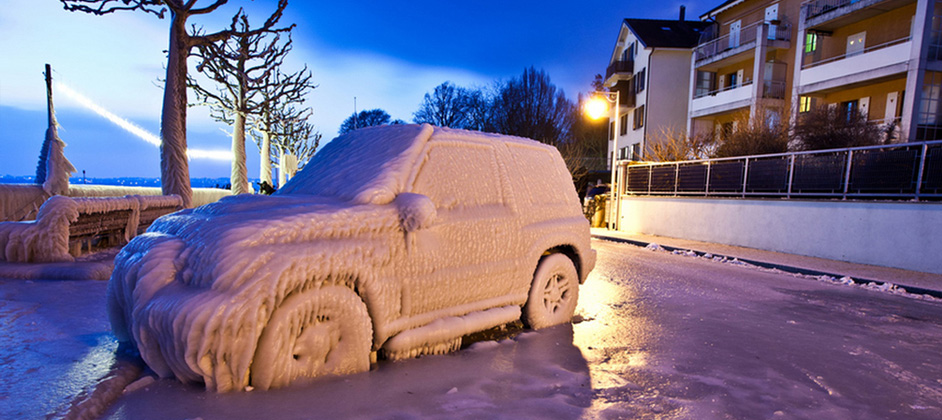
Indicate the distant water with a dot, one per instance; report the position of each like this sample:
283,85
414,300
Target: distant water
128,181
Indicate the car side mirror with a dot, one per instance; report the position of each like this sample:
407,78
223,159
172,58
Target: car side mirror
416,211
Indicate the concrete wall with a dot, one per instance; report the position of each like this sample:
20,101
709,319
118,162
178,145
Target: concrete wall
902,235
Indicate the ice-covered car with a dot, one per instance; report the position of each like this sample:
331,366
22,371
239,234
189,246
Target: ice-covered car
393,241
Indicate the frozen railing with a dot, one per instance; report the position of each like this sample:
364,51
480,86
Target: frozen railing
746,36
65,227
907,171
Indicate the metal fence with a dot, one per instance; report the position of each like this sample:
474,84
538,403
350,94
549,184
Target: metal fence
908,171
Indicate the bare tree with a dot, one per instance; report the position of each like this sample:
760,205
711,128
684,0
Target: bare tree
294,140
531,106
366,118
282,92
765,131
832,128
670,145
174,168
242,66
448,106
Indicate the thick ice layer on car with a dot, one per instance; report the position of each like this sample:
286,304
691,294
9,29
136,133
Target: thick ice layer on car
416,223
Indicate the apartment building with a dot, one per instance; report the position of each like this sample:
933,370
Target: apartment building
649,67
742,62
878,58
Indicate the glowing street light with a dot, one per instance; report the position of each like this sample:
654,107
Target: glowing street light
596,108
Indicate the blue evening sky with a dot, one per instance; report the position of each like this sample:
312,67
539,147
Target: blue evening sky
386,54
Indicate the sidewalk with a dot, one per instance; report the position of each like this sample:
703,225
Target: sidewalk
913,280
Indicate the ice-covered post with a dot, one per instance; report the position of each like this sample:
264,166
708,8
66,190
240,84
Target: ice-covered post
53,169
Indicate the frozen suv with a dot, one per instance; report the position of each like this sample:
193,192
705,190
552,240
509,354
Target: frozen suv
393,241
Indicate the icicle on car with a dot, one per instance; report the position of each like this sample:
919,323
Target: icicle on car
397,240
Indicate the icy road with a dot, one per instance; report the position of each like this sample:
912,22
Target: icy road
656,336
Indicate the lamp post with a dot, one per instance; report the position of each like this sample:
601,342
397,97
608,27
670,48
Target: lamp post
596,109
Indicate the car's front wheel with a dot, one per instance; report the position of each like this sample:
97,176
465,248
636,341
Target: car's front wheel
554,292
325,331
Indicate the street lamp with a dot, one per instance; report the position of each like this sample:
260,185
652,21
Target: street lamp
596,108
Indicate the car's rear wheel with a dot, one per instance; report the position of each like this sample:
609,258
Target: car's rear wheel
554,292
317,332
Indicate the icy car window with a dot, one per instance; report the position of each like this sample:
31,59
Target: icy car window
365,165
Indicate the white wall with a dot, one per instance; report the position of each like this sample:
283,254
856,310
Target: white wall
670,69
902,235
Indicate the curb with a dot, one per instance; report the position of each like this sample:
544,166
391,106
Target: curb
785,268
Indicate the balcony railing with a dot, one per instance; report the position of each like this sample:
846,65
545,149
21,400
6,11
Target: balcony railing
621,66
746,37
817,8
773,89
699,93
908,171
864,51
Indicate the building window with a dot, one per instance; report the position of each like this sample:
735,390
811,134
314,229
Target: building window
639,80
636,151
733,80
624,124
804,104
624,153
811,43
849,110
929,116
639,117
706,83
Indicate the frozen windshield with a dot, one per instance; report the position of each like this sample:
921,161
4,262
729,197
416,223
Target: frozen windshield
365,165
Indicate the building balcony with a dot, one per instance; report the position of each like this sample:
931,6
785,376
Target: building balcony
619,70
730,47
721,100
872,64
735,97
828,15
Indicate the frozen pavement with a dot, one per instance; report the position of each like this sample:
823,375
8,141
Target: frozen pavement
656,335
802,263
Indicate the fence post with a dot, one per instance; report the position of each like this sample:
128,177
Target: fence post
745,177
706,189
922,169
676,177
791,174
650,167
850,159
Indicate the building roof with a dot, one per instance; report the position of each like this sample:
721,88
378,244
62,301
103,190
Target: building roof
659,33
721,8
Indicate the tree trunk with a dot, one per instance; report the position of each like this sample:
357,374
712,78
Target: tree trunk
174,167
239,177
265,171
281,168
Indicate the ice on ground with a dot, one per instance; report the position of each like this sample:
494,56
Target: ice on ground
886,287
409,235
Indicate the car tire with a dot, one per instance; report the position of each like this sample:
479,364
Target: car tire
317,332
554,293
